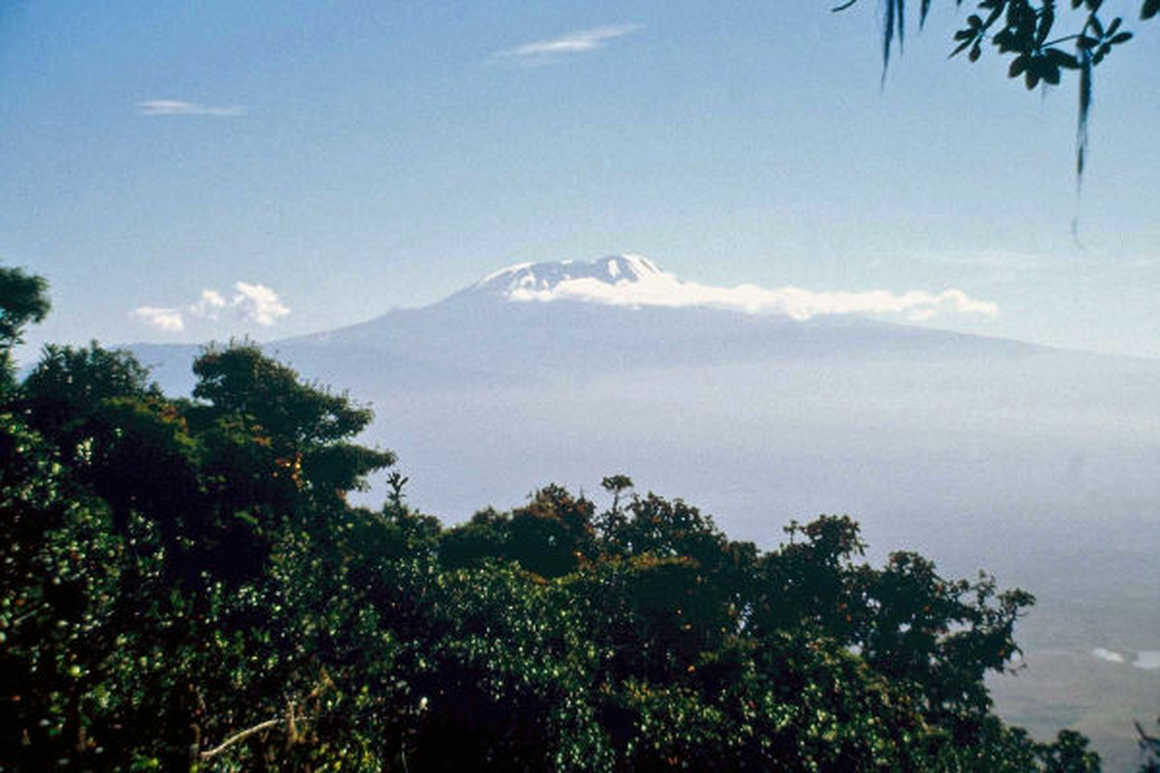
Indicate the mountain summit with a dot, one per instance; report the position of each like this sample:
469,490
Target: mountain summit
561,321
634,281
608,277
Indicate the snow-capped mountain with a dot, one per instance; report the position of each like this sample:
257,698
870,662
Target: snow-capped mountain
634,281
575,321
526,280
622,353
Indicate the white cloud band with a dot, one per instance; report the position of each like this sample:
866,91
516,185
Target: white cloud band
658,288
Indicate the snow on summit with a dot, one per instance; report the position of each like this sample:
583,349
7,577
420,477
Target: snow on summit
635,281
614,270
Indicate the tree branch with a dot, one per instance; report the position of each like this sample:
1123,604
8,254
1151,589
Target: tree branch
244,734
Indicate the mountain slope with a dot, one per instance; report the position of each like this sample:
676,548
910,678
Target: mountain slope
579,320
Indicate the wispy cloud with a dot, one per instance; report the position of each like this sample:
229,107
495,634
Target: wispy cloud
250,303
1109,655
577,42
178,107
163,318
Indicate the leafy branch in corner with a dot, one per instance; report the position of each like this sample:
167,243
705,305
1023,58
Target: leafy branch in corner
1028,31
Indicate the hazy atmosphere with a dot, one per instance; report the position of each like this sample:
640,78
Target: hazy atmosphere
714,247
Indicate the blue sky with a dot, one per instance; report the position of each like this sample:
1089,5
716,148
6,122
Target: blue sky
314,164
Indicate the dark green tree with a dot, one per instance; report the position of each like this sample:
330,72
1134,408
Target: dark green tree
23,299
187,587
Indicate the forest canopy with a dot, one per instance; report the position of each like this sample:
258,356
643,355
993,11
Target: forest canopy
188,587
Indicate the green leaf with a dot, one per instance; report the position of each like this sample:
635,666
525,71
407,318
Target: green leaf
1061,59
1149,9
1085,103
887,37
900,15
1046,22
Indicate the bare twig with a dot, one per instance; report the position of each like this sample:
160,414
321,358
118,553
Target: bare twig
244,734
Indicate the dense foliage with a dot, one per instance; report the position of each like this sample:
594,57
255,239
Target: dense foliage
186,586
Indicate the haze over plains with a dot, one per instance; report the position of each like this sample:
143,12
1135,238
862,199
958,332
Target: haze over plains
286,171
